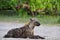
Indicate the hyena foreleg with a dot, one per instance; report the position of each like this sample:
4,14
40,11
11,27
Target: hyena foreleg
36,37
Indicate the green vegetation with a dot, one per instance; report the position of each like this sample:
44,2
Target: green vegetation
42,19
50,7
47,11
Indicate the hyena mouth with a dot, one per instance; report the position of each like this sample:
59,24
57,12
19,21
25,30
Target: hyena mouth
38,24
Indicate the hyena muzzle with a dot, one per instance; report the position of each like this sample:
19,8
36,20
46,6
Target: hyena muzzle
27,31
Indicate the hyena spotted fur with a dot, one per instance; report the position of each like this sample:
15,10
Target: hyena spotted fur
27,31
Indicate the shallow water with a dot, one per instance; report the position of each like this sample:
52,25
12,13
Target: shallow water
50,33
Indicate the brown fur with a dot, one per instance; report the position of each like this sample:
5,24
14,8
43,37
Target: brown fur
27,31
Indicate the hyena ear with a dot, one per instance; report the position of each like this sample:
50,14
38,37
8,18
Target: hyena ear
31,19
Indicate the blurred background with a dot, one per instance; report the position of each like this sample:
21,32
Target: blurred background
14,13
47,11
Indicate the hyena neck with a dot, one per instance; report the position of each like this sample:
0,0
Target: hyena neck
31,26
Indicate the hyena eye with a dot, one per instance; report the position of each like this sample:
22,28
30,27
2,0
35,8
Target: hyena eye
36,22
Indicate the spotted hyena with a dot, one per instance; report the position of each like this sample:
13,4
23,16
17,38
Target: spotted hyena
27,31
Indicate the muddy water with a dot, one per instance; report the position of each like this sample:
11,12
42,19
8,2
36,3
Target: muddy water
47,31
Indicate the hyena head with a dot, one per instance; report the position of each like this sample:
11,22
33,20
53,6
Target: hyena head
34,22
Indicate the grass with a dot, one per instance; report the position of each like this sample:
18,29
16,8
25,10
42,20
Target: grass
42,19
49,19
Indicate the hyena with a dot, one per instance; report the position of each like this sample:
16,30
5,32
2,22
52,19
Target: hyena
27,31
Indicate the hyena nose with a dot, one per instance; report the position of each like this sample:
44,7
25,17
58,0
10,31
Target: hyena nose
38,24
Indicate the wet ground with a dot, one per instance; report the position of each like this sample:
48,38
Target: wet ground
50,32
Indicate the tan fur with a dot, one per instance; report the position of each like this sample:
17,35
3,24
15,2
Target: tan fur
27,31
